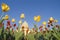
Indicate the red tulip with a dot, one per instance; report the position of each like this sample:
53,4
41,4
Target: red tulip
8,23
14,25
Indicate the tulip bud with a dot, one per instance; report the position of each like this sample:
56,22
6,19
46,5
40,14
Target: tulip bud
22,15
51,19
14,25
13,20
56,21
8,23
44,23
6,17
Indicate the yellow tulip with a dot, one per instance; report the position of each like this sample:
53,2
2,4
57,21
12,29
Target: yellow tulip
6,17
37,18
5,7
13,20
20,22
51,19
56,21
22,15
44,23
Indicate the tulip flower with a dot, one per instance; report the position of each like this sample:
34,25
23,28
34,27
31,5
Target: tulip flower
13,20
51,19
56,21
14,25
5,7
8,22
22,16
20,22
44,23
6,17
37,18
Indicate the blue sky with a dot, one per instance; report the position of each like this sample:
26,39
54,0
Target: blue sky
31,8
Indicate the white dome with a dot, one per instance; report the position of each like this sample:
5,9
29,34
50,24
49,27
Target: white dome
25,24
